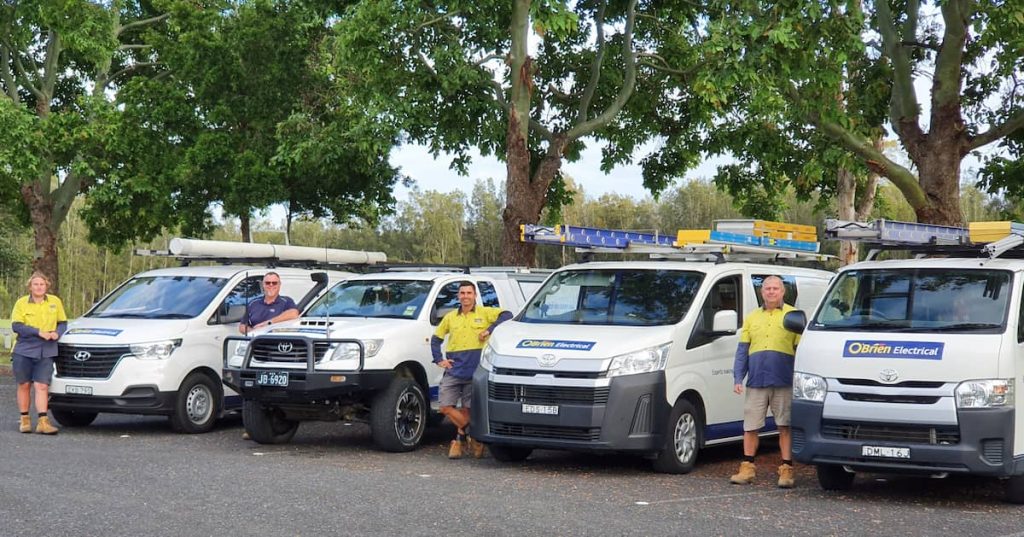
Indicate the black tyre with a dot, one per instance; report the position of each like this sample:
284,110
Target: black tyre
197,404
267,425
398,416
1014,489
834,477
509,453
73,418
683,438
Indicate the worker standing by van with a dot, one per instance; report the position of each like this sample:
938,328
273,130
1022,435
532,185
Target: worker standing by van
467,329
765,356
272,308
39,320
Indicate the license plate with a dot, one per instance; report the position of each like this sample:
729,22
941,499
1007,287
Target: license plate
78,390
540,409
885,452
272,378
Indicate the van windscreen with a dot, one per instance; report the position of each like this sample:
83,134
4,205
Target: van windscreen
917,300
614,297
392,299
160,297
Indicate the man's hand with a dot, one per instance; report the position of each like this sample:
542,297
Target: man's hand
445,364
738,389
243,328
484,335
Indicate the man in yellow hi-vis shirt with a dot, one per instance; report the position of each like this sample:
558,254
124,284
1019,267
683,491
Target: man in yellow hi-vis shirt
765,356
38,319
467,329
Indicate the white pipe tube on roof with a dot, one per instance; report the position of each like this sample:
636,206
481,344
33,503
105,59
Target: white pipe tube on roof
226,249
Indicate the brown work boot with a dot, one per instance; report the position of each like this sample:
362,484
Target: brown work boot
455,450
43,426
26,424
476,448
786,479
746,474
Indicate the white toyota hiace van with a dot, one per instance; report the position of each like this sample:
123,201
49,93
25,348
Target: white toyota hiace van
154,344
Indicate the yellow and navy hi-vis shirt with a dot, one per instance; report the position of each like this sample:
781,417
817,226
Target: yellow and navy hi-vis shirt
29,319
463,331
766,350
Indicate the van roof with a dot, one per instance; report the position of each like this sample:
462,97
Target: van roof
707,267
941,262
430,275
229,271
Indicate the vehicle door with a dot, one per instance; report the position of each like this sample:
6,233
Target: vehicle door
712,353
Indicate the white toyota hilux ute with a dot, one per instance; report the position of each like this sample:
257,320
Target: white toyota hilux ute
360,353
153,345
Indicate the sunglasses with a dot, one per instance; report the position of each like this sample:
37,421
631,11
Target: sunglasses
271,283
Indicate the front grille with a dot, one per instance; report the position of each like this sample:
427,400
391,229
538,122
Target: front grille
907,434
92,362
549,395
904,384
286,350
899,399
582,434
557,374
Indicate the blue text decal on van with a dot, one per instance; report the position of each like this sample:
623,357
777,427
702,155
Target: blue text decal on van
94,331
556,344
915,350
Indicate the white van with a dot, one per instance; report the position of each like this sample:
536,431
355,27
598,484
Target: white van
627,356
154,344
361,353
912,366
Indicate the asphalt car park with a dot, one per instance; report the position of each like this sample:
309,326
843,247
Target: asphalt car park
131,475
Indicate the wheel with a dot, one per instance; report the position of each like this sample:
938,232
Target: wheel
267,425
197,404
1014,491
683,439
834,477
73,418
509,453
398,416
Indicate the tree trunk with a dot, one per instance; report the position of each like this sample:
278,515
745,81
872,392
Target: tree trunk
846,192
244,224
939,175
520,207
40,210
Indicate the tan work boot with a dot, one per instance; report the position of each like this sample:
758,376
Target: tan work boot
43,426
786,479
476,448
26,424
455,450
746,474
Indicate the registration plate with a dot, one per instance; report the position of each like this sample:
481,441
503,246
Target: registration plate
78,390
272,378
885,452
551,410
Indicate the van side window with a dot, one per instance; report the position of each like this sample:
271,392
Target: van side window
1020,324
789,282
233,307
488,294
724,296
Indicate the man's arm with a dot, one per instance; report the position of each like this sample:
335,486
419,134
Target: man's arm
435,343
18,319
503,315
741,362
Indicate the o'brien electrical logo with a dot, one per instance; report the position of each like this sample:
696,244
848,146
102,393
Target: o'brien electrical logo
914,350
94,332
556,344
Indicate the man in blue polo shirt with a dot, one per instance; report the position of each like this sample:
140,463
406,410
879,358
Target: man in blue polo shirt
272,308
467,329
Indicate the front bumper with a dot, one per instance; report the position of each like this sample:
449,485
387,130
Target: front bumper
627,415
984,445
305,386
135,400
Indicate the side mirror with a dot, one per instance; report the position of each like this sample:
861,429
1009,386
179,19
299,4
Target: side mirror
319,277
795,321
725,322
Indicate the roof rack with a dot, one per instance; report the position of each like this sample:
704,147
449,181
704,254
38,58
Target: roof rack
226,252
732,240
979,240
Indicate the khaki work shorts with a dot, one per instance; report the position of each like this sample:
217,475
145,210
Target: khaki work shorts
778,398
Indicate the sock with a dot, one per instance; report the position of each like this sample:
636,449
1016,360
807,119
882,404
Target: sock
24,413
787,462
748,458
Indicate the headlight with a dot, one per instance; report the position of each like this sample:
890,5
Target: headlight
372,346
157,350
642,361
487,357
809,387
343,352
985,393
236,357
